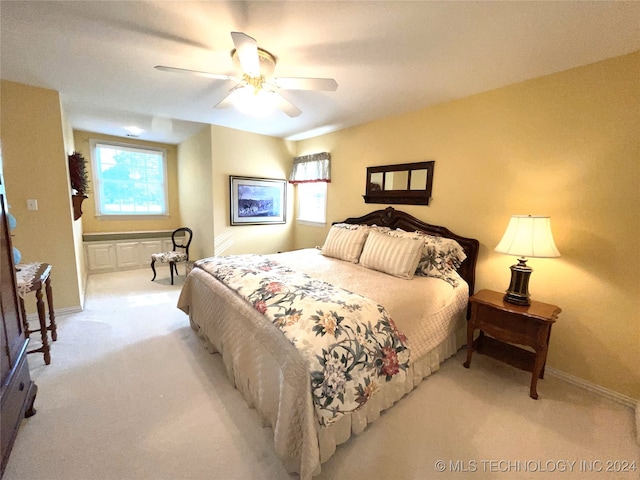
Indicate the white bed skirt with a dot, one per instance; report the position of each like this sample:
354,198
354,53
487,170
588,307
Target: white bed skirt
274,379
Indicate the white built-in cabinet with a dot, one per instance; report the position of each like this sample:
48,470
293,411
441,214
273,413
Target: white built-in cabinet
108,256
101,257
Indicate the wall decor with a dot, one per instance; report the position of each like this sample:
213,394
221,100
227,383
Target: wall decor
403,183
257,201
78,173
79,178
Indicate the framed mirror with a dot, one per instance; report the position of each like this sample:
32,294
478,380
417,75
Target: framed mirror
404,183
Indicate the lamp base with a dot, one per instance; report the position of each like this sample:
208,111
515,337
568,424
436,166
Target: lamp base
518,292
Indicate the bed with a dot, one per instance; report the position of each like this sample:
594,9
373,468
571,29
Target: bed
426,312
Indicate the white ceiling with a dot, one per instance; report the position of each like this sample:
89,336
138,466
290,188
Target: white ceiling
388,57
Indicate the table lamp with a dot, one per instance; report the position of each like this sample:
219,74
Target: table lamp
526,236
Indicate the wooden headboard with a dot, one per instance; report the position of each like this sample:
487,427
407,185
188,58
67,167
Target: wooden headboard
392,218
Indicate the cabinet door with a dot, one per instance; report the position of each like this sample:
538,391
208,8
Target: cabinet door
147,248
13,338
101,257
167,245
127,254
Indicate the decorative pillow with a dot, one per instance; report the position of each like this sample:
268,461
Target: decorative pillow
446,248
396,256
345,241
440,258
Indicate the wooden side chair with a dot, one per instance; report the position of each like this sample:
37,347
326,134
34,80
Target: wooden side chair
175,255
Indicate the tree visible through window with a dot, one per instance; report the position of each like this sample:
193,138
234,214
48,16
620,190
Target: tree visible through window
129,180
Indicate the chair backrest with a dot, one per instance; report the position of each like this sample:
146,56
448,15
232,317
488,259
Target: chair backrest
186,240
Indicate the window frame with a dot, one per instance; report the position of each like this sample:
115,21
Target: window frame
299,201
97,181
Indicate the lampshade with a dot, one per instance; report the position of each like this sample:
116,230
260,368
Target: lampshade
528,236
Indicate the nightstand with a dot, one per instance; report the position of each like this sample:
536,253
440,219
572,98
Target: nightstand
509,325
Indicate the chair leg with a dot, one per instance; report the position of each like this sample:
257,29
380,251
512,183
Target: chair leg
172,265
154,269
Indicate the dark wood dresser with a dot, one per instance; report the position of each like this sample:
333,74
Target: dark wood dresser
18,392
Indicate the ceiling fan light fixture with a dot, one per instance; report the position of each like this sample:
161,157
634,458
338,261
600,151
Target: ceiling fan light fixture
255,102
134,130
256,82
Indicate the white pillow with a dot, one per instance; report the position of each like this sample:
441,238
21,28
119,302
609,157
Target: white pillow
397,256
345,242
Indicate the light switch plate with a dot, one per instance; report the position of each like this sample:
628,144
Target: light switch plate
32,204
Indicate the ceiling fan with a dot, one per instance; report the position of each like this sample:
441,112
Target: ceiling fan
257,66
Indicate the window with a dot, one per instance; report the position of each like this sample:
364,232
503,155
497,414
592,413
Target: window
310,175
312,202
129,180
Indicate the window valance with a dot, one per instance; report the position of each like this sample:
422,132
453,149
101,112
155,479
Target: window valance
311,168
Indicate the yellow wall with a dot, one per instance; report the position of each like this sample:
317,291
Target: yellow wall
195,181
247,154
565,145
206,161
35,167
93,224
81,264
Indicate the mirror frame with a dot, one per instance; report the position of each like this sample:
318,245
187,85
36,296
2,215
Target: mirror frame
400,197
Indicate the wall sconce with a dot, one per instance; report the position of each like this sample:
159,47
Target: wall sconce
526,236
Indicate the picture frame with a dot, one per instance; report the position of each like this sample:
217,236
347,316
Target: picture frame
257,201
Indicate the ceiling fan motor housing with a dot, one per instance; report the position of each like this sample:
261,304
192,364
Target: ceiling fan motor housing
267,62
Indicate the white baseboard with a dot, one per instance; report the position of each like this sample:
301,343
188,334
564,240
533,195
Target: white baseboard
592,387
33,317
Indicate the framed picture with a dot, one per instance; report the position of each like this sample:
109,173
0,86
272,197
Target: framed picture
257,201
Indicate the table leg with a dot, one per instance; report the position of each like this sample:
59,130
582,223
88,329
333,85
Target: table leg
540,360
52,316
43,327
470,330
546,341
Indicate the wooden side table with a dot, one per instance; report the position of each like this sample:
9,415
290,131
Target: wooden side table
31,277
509,324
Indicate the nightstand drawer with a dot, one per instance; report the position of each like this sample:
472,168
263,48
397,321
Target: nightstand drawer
507,326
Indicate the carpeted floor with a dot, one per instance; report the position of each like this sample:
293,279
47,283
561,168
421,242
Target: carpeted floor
132,394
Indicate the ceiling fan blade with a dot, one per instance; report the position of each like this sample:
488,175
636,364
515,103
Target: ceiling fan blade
286,106
194,72
247,50
291,83
227,101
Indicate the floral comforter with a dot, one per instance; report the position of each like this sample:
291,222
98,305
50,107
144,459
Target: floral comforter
350,343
